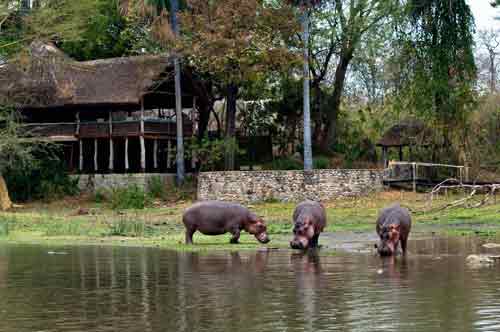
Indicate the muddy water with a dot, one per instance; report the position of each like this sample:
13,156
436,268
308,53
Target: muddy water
134,289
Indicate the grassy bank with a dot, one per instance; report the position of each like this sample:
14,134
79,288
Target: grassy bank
83,221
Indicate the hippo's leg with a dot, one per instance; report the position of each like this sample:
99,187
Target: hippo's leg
189,235
314,241
236,236
403,245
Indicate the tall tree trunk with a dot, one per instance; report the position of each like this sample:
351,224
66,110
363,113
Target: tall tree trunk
308,159
5,202
330,135
174,6
493,72
317,116
232,96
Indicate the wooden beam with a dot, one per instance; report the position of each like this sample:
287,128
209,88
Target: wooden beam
80,142
155,154
96,165
169,159
111,147
141,137
127,166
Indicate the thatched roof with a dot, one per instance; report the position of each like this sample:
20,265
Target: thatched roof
407,132
47,78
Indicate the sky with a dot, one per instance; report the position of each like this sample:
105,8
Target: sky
484,14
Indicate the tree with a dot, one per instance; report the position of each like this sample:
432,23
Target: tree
438,51
234,42
490,42
14,151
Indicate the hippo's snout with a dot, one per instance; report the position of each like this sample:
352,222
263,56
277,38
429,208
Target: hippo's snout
384,251
296,245
263,238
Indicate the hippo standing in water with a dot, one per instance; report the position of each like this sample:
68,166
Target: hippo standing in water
216,218
393,226
309,220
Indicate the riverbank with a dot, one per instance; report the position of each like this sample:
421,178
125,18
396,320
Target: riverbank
82,220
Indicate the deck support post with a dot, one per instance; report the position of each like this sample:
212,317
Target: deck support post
80,143
169,158
384,156
155,154
127,166
111,147
96,164
141,137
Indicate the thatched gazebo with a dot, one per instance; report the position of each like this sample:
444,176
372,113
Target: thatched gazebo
410,133
111,115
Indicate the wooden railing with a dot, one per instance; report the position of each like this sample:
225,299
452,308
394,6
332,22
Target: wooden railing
158,129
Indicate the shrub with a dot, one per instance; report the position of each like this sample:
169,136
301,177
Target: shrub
131,197
45,178
321,162
284,164
4,228
100,196
129,226
156,187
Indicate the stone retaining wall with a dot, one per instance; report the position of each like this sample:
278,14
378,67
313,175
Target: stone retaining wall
293,186
93,182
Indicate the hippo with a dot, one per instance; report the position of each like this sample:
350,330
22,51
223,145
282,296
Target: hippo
216,218
309,220
393,226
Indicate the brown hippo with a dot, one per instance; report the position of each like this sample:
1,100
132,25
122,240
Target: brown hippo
309,220
216,218
393,226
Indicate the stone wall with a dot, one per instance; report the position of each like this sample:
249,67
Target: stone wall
93,182
293,186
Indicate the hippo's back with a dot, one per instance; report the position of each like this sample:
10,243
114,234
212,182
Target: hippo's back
311,208
214,210
394,214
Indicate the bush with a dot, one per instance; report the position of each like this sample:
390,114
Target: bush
284,164
156,188
321,162
131,197
127,226
100,196
4,228
46,178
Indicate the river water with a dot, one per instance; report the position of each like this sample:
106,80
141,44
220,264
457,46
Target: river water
138,289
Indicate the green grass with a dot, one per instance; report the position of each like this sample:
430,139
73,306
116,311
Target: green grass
58,222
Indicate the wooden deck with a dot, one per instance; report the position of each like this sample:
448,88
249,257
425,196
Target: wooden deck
153,129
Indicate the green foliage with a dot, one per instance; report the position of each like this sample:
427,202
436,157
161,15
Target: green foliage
156,187
210,152
4,228
43,177
100,196
132,197
284,164
128,226
321,162
62,227
441,63
104,36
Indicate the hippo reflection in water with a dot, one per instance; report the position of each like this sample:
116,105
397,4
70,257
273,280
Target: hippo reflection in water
216,218
309,219
393,227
